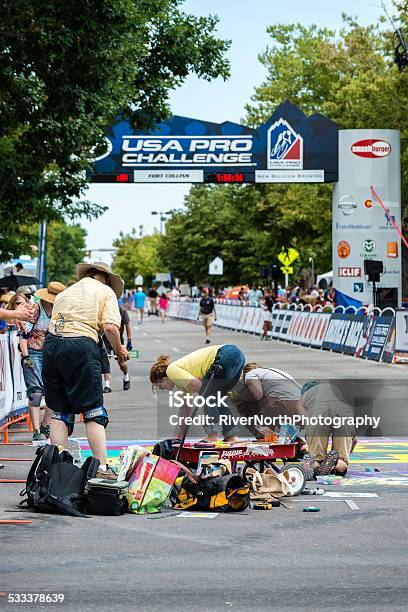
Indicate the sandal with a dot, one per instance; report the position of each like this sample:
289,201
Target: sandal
328,464
204,444
307,463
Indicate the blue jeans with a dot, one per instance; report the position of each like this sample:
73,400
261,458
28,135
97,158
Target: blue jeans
222,376
33,376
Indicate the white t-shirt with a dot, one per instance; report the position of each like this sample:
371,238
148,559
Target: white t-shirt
275,383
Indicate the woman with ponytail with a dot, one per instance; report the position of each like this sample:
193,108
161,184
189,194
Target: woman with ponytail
210,372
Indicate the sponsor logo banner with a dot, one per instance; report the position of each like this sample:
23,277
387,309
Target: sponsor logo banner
343,249
343,333
355,227
347,205
392,249
350,272
389,348
298,148
285,146
378,337
371,148
364,336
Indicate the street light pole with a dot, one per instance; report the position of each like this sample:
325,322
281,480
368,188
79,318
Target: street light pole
163,215
311,260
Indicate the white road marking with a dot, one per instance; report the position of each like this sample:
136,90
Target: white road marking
157,340
176,350
144,333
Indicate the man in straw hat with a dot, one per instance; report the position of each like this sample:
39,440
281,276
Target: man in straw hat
72,357
31,346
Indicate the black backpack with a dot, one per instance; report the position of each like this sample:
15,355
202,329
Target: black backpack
55,484
165,448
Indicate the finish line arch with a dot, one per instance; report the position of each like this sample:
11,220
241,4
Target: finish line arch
289,147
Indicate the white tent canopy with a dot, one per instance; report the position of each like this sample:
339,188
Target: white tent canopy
327,276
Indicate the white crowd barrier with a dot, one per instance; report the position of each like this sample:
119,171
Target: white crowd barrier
376,335
13,395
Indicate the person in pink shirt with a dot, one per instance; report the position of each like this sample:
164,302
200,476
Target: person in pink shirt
163,302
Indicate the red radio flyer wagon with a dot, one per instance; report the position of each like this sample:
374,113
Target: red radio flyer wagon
255,454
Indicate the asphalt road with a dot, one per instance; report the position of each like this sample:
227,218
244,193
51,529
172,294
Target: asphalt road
279,560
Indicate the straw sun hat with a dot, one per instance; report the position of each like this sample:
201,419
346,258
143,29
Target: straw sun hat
115,281
49,293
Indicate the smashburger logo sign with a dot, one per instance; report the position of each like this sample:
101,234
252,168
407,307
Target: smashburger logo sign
371,148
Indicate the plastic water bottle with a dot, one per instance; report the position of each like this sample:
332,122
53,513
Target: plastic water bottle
74,448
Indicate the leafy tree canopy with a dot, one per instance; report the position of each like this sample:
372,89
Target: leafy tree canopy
66,247
137,255
66,70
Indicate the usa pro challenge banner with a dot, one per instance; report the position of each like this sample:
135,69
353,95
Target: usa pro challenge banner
289,147
361,229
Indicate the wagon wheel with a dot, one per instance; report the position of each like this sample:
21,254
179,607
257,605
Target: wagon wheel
296,477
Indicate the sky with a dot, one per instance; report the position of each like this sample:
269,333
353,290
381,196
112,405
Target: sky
244,23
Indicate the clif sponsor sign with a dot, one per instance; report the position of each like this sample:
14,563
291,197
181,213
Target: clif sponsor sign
350,272
371,148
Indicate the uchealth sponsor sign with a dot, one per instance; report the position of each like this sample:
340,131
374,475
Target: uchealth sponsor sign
361,230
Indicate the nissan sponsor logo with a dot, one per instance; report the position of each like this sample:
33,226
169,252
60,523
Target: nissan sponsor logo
347,205
350,272
371,147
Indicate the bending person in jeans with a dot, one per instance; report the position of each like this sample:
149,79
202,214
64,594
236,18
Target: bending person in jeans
206,372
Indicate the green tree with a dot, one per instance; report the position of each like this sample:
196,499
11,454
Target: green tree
66,246
66,70
137,255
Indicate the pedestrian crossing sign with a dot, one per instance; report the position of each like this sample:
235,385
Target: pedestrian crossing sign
287,269
287,257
